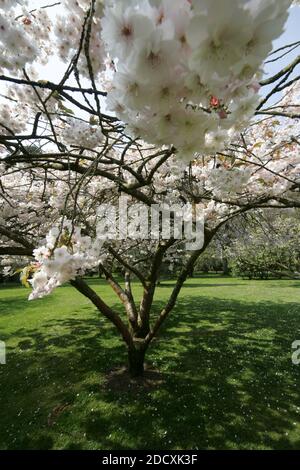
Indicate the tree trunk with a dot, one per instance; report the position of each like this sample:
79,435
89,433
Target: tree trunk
142,329
191,272
225,267
136,358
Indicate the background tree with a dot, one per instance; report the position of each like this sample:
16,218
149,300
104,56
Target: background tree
268,247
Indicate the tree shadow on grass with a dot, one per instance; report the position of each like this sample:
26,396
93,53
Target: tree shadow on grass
229,382
9,305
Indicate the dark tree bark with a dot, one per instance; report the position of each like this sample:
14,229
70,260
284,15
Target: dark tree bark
136,358
191,272
225,267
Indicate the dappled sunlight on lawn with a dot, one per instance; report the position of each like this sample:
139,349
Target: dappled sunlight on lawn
224,356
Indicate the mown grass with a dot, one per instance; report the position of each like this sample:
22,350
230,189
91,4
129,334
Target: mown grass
224,355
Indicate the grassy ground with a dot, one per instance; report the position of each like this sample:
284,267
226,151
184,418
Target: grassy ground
224,354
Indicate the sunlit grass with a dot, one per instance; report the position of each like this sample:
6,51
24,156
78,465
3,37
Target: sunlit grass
224,354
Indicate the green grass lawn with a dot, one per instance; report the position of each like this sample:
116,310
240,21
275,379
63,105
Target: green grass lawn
224,354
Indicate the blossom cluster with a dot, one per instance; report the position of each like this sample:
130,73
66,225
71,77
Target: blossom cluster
66,254
12,118
21,105
81,134
291,99
268,167
24,35
186,73
71,32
